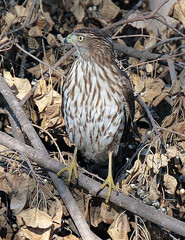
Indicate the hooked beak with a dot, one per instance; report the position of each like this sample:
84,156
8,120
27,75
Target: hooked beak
69,40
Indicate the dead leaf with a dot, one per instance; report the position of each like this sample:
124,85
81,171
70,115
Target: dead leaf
138,83
21,193
108,213
9,19
35,32
120,228
177,11
159,99
56,212
78,10
170,183
34,218
21,12
52,40
153,88
19,86
153,189
43,95
36,234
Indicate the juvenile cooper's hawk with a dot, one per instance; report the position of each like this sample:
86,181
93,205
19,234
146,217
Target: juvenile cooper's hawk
98,100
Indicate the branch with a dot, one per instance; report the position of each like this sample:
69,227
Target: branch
92,186
149,16
19,115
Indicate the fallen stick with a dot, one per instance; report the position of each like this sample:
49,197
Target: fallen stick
122,200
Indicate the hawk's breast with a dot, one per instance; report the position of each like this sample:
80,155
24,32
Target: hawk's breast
93,109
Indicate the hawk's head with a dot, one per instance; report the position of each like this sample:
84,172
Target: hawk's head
91,43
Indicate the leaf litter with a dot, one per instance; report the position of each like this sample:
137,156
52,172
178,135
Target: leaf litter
30,207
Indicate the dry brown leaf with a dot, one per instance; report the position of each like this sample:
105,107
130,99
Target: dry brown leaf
5,182
33,43
34,218
108,10
176,88
52,40
168,121
9,20
49,103
120,228
49,22
36,234
177,11
157,161
153,88
41,21
108,213
78,10
56,212
21,193
172,152
70,237
138,45
153,190
179,128
38,70
52,116
149,68
19,86
159,99
138,83
19,188
35,32
137,24
134,171
170,183
21,12
149,42
95,215
104,10
43,95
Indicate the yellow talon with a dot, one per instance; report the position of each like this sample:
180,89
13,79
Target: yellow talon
71,167
109,180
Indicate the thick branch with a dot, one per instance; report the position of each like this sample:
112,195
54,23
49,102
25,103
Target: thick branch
92,186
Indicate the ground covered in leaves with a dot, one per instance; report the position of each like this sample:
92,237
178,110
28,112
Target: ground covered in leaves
149,45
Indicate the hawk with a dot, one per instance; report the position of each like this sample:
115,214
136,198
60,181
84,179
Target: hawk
98,101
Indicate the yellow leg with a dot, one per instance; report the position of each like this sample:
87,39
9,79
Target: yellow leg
71,167
109,180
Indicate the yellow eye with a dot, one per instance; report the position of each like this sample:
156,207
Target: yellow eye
80,38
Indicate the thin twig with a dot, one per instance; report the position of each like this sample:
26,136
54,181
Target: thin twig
37,59
143,104
148,16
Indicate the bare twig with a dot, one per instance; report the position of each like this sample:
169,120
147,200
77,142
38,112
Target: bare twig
172,71
162,42
37,59
169,26
143,104
148,16
171,131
